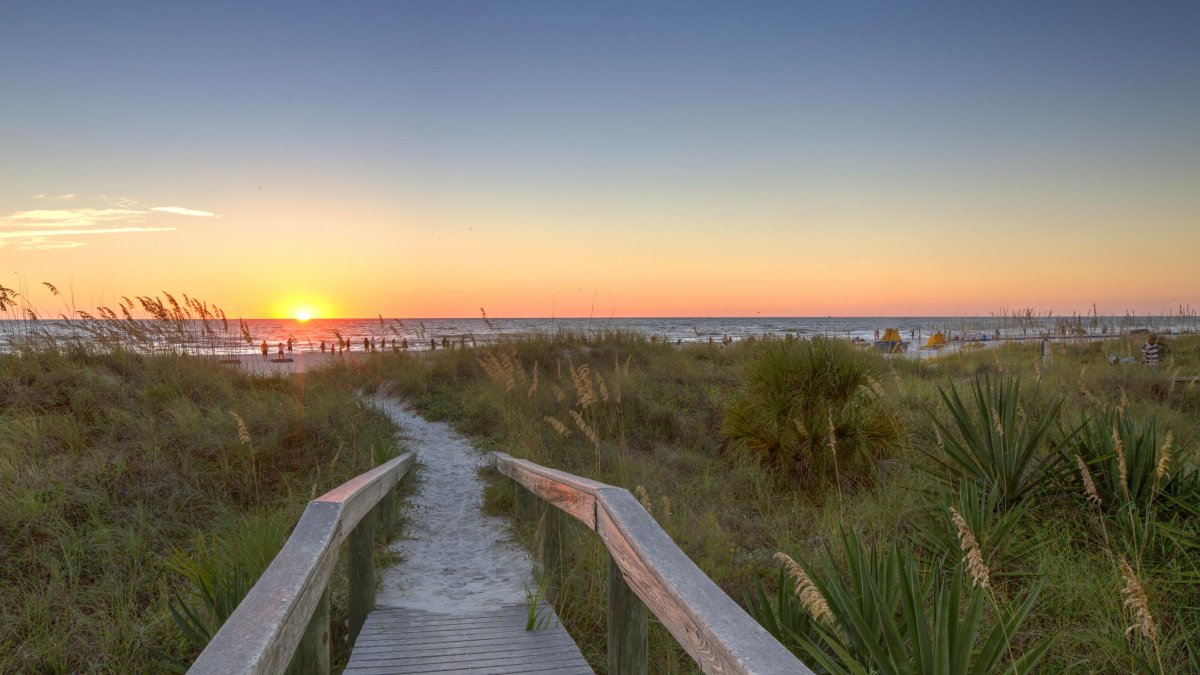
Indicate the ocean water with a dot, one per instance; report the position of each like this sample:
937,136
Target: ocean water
307,336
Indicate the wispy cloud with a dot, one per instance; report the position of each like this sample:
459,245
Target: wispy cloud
78,218
180,211
68,196
37,234
46,244
46,229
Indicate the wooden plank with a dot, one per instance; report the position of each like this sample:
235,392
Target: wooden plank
404,640
572,494
262,634
710,626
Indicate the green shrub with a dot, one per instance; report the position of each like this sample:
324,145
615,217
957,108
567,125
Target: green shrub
811,406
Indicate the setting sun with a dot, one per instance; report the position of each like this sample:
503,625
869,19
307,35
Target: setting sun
303,315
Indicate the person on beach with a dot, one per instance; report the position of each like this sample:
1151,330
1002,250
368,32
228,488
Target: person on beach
432,345
264,349
289,344
280,345
322,346
366,345
404,344
1152,351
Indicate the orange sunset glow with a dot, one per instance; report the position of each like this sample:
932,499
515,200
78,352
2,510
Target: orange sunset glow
890,185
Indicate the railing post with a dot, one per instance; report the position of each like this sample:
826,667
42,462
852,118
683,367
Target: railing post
552,536
360,572
526,504
387,513
628,641
312,656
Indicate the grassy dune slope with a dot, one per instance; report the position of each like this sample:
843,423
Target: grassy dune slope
114,465
631,413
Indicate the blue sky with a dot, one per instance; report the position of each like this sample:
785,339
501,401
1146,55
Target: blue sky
641,122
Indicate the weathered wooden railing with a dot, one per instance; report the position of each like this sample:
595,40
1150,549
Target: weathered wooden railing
282,625
646,569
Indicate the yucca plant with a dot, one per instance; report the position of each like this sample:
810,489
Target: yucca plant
811,406
887,614
992,525
1125,460
218,586
998,440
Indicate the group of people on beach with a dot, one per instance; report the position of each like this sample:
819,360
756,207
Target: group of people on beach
266,350
368,345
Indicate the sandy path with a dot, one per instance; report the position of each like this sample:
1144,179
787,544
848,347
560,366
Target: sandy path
455,558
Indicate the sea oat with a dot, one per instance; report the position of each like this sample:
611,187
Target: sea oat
602,386
644,498
996,421
585,428
832,435
1135,600
533,387
810,597
582,379
1089,486
972,556
1122,469
242,432
559,394
1123,403
1164,457
876,387
557,426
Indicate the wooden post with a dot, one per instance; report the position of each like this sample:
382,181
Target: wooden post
312,656
360,572
526,504
628,641
552,536
387,514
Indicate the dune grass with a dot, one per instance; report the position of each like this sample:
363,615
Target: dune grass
119,470
629,412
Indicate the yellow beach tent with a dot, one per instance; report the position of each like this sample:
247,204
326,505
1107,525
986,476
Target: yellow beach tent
936,341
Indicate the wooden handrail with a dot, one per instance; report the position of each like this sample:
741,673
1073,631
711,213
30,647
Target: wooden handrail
263,633
710,626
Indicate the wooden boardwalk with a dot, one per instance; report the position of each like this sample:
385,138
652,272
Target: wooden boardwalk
283,623
397,640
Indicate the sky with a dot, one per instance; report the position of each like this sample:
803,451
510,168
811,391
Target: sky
604,159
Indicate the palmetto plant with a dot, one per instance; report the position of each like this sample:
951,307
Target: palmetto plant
998,440
809,406
888,614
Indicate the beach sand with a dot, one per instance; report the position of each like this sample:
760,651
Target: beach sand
301,362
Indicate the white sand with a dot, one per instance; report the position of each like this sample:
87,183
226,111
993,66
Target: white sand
300,362
455,559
